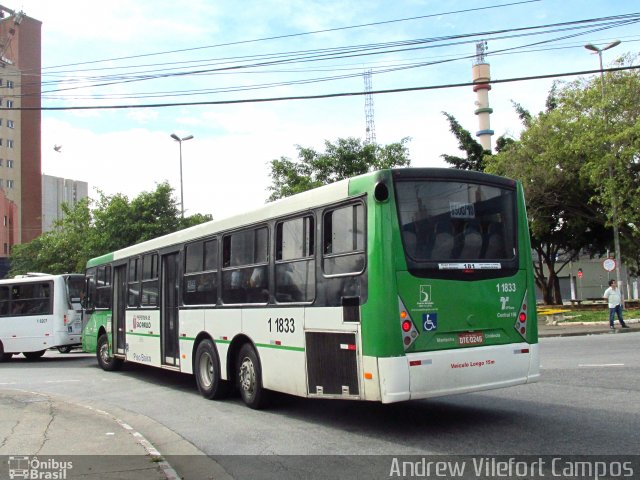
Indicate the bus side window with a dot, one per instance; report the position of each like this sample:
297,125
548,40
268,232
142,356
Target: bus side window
133,298
103,287
344,234
295,273
149,280
90,290
4,301
244,278
200,285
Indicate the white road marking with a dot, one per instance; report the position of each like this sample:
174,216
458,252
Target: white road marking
601,364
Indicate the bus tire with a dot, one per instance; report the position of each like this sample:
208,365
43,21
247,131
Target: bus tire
4,357
207,372
33,355
65,349
249,377
105,360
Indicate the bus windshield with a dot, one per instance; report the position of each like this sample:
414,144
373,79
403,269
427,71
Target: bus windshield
445,221
75,287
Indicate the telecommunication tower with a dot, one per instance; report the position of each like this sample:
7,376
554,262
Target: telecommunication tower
481,76
368,110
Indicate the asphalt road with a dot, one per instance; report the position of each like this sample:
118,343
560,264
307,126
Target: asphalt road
585,404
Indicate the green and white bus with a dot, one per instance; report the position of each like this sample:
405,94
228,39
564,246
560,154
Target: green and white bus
394,285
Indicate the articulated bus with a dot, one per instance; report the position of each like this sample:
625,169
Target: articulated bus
40,311
394,285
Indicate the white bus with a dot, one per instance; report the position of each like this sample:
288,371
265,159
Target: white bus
40,311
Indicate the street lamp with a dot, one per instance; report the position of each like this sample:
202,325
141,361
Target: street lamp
180,140
616,232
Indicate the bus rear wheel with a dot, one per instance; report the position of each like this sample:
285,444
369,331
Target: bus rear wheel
105,360
249,376
33,355
207,372
65,349
4,357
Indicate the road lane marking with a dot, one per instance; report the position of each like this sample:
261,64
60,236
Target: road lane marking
601,364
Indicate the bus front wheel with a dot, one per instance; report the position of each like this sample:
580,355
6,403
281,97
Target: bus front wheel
207,372
33,355
249,376
105,360
65,349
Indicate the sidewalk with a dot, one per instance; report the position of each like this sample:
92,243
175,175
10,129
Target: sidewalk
48,436
568,329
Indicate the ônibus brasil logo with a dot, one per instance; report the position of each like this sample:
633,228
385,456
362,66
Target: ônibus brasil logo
24,467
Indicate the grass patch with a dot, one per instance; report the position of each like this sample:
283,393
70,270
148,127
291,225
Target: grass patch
598,315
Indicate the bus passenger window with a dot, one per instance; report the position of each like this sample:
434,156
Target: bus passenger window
295,272
200,284
244,277
134,283
149,289
343,234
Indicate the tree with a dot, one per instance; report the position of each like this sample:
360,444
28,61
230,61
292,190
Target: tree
345,158
562,220
566,216
112,224
475,152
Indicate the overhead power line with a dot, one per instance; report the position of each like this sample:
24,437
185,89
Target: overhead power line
358,51
291,35
323,96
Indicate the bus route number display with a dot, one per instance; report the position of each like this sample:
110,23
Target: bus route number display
282,325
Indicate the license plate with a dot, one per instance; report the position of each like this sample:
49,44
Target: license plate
470,338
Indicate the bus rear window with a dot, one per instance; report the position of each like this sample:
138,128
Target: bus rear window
444,221
75,288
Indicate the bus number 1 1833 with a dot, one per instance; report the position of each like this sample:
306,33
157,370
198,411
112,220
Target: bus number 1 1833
282,325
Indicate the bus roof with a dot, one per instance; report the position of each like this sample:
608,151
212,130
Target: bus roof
295,203
284,206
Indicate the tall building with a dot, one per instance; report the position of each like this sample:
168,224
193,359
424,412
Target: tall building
20,130
55,192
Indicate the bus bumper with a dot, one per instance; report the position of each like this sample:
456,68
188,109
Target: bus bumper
432,374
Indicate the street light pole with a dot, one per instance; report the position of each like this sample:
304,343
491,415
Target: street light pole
614,203
180,140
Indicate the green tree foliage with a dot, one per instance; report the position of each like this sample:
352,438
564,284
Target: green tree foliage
578,160
475,152
114,222
345,158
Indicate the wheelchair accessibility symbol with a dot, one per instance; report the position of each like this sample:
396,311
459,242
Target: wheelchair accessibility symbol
430,321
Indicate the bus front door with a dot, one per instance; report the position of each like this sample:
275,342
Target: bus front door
119,308
169,312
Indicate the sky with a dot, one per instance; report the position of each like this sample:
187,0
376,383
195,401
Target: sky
150,52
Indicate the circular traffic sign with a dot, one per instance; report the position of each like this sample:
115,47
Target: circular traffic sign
609,264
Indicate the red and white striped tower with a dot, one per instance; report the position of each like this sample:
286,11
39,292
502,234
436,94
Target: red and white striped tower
481,76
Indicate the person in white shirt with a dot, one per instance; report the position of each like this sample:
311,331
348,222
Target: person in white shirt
613,297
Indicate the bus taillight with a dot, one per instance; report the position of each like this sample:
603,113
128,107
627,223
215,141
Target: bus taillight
409,331
521,321
65,319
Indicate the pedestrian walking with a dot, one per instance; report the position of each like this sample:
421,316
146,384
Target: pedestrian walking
614,299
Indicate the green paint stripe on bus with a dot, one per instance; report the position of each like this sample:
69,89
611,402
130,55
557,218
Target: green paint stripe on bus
100,260
280,347
143,334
